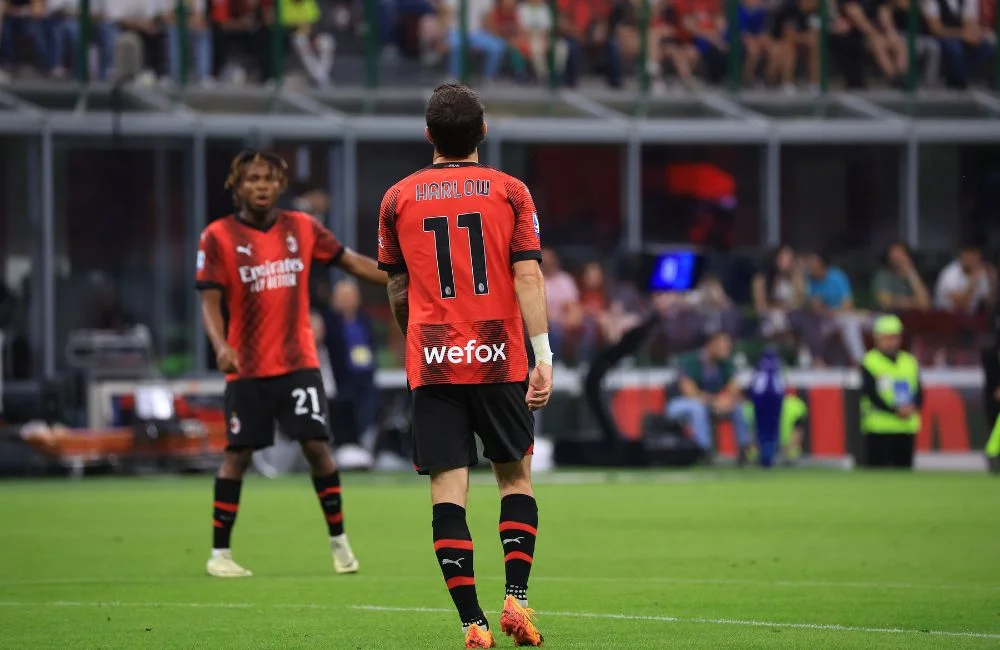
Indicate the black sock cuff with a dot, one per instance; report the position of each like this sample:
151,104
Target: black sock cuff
227,490
328,481
518,505
449,521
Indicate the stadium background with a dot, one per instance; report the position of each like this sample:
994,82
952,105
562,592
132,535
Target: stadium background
109,174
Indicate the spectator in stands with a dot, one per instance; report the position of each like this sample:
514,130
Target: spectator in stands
23,18
708,388
794,28
313,47
872,21
965,285
199,42
955,23
779,293
703,19
536,20
897,285
238,31
928,49
350,343
481,37
566,322
506,23
675,43
63,33
831,299
624,39
752,23
144,18
582,26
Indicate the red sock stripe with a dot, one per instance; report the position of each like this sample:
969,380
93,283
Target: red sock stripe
457,544
461,581
228,507
328,491
531,450
335,519
516,525
218,524
517,555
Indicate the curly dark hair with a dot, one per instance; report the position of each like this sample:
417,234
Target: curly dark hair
244,159
455,120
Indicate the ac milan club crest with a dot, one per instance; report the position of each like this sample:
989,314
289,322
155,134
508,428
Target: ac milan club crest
234,425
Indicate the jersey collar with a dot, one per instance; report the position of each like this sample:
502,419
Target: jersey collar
451,165
239,217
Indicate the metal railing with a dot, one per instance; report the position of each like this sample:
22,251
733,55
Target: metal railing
278,28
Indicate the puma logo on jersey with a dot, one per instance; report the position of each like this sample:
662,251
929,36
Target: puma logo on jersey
513,540
486,353
246,250
457,562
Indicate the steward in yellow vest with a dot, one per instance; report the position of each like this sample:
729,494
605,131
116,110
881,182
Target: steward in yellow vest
891,398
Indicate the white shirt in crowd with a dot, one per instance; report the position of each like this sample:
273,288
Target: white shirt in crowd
535,17
954,280
477,12
969,10
115,10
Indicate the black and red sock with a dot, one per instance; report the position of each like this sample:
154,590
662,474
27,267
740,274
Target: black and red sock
224,509
518,529
328,492
453,547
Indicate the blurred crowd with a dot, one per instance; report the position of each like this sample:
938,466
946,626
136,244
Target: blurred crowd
798,300
687,40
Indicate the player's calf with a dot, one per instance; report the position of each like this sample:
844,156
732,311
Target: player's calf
326,482
453,548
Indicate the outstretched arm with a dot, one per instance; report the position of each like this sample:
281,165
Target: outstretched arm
362,267
398,289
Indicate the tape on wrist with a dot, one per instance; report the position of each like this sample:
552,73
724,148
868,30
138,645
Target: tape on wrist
540,346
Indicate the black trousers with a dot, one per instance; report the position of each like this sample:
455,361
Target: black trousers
890,450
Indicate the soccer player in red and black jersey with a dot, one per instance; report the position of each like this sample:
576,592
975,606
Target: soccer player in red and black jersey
461,244
257,261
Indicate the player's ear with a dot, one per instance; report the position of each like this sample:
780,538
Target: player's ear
486,128
427,134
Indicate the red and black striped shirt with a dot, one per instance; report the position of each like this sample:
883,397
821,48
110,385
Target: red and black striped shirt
264,274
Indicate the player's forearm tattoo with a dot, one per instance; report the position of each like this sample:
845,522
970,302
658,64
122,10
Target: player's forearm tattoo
398,290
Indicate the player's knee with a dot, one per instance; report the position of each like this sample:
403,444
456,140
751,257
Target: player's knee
317,454
514,478
235,463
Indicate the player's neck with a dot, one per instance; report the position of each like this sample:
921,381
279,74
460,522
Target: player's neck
259,219
444,160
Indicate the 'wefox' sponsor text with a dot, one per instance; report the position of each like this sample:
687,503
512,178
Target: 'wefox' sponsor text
485,353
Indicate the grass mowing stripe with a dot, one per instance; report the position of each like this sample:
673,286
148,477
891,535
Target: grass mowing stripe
748,582
591,615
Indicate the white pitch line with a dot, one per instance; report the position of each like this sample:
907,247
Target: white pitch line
618,617
714,621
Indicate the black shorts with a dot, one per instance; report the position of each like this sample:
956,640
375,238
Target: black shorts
296,401
890,449
447,417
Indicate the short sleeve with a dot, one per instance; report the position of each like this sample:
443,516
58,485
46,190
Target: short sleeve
327,249
210,270
845,286
390,255
526,242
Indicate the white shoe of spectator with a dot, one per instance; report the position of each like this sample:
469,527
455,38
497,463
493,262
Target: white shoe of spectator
146,79
354,457
390,462
789,89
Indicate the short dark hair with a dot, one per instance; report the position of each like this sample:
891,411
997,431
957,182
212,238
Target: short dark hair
455,120
247,157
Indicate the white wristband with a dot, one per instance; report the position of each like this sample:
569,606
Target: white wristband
540,345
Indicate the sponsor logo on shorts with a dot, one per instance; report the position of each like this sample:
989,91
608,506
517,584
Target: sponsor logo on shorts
473,350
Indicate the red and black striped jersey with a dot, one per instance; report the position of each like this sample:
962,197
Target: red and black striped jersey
456,229
264,274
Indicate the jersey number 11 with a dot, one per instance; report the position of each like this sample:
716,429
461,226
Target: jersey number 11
473,222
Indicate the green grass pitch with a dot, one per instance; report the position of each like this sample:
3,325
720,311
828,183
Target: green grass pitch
788,559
